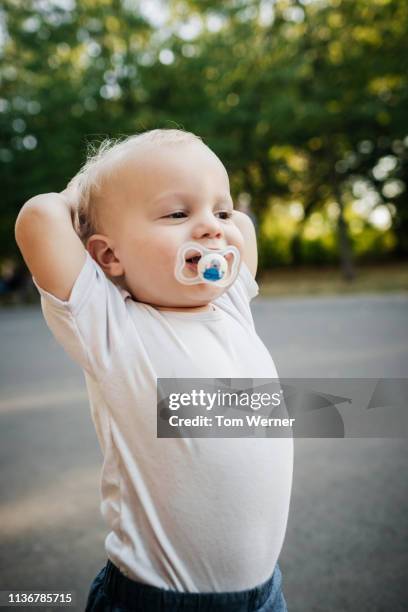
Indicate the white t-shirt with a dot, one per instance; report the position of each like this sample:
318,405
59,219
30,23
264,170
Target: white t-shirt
189,514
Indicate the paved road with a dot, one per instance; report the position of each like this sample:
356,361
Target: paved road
346,544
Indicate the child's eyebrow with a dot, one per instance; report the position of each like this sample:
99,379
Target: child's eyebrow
222,198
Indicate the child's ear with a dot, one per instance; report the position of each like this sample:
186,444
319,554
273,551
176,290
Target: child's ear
102,251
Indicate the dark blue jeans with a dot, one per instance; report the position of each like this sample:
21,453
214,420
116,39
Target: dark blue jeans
113,592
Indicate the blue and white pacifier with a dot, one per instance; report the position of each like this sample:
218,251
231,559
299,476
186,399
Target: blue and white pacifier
197,264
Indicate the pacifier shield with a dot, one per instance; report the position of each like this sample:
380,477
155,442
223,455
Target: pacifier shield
197,264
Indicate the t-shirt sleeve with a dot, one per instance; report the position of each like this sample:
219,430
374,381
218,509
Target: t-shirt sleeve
91,323
247,283
239,295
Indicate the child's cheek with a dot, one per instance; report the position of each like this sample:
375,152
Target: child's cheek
167,261
237,239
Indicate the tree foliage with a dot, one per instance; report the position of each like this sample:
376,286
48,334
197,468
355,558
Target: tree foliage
304,101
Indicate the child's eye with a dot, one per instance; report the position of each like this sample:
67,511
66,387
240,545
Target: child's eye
175,215
227,214
181,214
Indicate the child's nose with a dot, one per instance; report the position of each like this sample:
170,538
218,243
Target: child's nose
207,226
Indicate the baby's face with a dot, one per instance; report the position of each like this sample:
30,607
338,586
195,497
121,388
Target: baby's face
164,197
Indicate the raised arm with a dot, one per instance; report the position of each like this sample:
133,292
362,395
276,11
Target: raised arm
245,225
52,250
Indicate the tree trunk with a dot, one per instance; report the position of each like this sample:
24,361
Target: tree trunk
401,228
346,256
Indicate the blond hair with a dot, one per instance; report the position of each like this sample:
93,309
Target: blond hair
101,160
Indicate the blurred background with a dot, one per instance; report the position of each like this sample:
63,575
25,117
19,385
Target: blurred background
305,102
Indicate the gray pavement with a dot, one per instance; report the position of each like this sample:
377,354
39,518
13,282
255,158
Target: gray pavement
346,544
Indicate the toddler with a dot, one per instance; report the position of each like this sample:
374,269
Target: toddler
194,523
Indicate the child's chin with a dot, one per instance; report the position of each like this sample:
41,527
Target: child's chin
207,289
204,294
